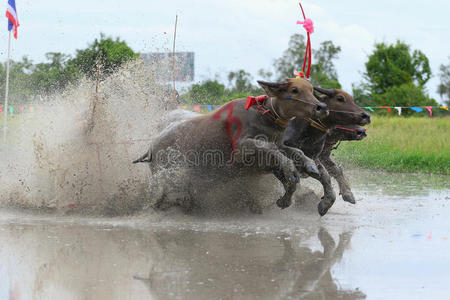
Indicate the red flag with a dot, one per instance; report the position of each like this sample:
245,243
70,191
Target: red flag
387,107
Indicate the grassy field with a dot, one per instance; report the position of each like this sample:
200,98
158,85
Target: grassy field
402,144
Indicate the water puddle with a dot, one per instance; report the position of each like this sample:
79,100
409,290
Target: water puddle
393,244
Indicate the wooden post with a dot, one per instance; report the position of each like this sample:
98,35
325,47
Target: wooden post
173,59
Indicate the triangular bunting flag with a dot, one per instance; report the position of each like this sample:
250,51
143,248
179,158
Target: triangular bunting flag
196,107
429,108
444,107
209,107
416,109
399,110
369,108
11,110
387,107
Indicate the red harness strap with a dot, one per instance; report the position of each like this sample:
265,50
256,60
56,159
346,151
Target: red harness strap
254,100
348,129
264,111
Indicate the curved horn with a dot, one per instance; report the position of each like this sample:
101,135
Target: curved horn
328,92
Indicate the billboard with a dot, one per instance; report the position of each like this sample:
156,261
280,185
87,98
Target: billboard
162,63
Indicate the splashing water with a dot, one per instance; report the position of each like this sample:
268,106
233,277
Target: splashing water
76,154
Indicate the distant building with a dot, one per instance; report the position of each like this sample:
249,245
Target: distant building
162,63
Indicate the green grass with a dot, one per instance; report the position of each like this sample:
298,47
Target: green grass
14,122
402,144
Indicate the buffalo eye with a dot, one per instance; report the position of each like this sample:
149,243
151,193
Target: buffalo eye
294,90
340,99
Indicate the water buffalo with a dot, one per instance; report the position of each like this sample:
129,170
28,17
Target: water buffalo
340,133
241,139
310,135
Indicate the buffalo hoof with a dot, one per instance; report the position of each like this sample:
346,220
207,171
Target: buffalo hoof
323,209
284,203
349,198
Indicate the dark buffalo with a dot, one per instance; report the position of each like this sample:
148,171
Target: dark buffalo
310,135
242,138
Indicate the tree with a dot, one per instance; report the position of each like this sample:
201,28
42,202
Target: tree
395,76
362,96
444,85
105,52
213,92
395,65
240,81
406,94
323,72
55,75
20,89
207,92
292,57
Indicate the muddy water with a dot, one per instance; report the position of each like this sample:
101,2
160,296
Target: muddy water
394,244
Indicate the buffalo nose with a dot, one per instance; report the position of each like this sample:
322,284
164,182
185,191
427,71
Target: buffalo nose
366,117
361,131
321,110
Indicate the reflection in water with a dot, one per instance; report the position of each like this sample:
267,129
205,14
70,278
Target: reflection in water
215,265
72,261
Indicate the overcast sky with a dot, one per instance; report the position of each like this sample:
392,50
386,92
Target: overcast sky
233,34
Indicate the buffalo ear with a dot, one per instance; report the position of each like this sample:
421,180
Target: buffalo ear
274,88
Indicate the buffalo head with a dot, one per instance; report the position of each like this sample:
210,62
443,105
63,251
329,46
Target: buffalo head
342,107
294,97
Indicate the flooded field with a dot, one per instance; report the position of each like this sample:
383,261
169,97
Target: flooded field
393,244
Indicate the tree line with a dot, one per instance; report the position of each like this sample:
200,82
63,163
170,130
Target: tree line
101,58
395,74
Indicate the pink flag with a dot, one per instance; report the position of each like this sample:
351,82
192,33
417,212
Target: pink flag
1,108
430,110
196,107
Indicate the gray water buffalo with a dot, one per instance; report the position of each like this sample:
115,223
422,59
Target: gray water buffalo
242,138
310,135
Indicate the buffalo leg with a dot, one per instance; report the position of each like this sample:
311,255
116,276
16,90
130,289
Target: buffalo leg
336,171
268,157
286,200
301,161
329,196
